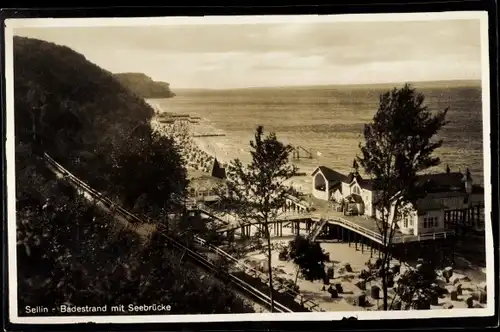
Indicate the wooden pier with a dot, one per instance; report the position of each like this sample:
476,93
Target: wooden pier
358,231
460,220
209,135
297,150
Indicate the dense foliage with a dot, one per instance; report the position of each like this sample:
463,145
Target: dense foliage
85,119
144,86
417,286
399,144
68,249
309,257
70,252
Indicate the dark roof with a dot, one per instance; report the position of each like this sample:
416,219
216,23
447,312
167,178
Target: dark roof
363,183
336,185
366,184
442,182
425,205
330,174
218,171
351,176
434,183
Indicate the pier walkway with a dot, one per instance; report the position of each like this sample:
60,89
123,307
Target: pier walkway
313,223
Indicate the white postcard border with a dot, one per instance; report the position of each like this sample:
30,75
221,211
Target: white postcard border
11,24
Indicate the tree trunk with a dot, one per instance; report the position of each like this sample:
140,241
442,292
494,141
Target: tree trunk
33,127
384,279
297,275
269,266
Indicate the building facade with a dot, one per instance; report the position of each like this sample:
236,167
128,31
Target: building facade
446,193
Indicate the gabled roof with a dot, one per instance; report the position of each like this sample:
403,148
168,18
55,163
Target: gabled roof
330,174
363,183
443,182
434,183
351,176
442,179
217,170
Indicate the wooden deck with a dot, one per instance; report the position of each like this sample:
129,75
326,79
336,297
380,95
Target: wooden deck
364,225
361,225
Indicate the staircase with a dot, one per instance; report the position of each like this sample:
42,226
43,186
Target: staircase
318,225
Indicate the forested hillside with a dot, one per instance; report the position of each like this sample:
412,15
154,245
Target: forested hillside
144,86
70,251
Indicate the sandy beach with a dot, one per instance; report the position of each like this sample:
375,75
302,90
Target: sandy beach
342,254
199,152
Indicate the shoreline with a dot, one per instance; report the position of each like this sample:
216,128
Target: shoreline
201,151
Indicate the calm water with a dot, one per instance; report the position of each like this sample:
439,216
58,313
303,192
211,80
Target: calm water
329,121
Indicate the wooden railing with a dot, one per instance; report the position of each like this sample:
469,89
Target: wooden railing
244,286
376,236
316,229
308,304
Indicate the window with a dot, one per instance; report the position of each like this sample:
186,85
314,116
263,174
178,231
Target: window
466,199
411,221
405,222
431,222
355,190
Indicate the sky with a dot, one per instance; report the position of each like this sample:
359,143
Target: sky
280,54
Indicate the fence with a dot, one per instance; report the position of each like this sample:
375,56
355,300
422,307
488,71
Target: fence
196,256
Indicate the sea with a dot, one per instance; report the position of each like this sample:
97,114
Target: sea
328,121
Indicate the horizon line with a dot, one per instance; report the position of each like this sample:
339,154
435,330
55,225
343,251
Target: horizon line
331,85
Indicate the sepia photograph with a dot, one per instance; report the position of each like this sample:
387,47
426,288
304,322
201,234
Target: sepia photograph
247,168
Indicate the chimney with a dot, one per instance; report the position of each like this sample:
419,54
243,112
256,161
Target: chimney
468,181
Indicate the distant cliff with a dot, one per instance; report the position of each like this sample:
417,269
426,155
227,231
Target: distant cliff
144,86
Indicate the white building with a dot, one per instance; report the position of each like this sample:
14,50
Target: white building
446,193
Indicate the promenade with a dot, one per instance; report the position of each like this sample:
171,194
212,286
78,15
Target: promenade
302,222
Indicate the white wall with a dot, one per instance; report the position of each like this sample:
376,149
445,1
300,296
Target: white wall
409,223
355,188
431,217
367,196
338,196
324,195
345,189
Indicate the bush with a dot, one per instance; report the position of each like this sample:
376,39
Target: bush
309,257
